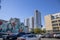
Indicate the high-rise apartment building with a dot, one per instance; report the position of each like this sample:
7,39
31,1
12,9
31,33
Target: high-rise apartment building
31,23
52,23
37,19
27,23
0,4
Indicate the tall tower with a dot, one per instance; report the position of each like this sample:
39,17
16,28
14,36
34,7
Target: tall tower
27,24
0,4
37,19
31,23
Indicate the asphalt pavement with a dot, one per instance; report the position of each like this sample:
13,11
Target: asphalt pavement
1,38
50,39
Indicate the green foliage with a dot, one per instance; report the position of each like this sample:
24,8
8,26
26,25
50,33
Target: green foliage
38,31
44,30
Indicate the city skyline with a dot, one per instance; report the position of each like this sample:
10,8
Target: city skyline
25,8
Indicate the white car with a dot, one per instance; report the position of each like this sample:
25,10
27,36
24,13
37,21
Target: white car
39,35
28,37
56,35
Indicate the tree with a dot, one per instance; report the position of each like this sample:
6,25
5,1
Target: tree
44,30
37,30
32,31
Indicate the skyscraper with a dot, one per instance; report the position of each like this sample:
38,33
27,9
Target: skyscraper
31,23
27,23
0,4
37,19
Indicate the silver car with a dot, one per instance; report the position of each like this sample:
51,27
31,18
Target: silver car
29,37
56,35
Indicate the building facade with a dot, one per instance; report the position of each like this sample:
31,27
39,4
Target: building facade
14,24
3,25
37,19
27,24
31,23
0,4
52,23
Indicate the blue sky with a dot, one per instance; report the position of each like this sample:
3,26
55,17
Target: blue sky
25,8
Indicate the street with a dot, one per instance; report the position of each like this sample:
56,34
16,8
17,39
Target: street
1,38
49,39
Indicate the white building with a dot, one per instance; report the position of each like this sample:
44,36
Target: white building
27,24
31,23
37,19
55,16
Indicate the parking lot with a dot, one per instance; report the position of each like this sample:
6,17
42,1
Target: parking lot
49,39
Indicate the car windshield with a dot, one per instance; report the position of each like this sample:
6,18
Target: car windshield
31,36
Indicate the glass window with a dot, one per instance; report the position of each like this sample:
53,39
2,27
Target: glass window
31,35
52,17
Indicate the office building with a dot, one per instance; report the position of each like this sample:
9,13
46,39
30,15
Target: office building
52,23
37,19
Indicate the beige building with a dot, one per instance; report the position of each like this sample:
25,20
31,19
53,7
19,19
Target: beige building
52,23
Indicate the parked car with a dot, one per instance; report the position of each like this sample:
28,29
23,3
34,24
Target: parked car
48,35
29,37
1,38
39,35
57,35
12,36
20,34
3,35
